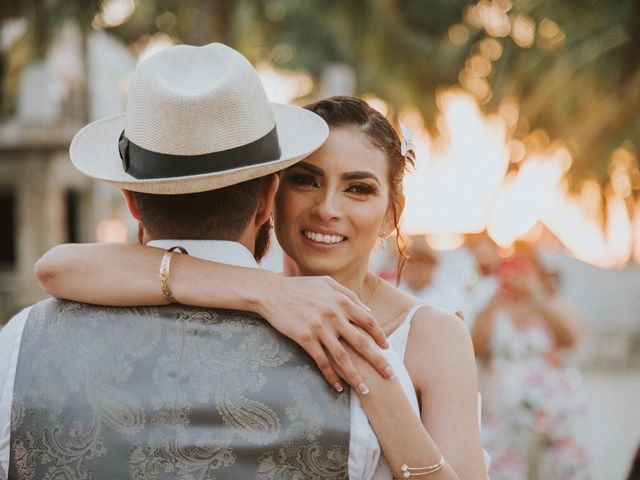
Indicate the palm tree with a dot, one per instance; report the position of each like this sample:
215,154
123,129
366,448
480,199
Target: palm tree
583,88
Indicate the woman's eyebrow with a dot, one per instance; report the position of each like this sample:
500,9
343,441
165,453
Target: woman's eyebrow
360,176
310,168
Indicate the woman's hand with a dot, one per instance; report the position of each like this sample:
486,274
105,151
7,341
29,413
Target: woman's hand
318,313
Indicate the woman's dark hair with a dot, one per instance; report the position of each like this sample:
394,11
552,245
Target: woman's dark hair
346,111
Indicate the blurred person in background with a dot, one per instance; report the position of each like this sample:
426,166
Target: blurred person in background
419,271
424,278
481,282
534,412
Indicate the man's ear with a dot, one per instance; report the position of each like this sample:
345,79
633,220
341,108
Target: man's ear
131,204
267,198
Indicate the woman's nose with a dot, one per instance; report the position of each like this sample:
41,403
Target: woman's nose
326,207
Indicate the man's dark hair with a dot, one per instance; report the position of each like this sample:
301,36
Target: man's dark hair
221,214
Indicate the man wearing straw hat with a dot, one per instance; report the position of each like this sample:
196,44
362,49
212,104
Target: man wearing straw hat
172,391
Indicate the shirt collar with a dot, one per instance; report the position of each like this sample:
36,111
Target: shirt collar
221,251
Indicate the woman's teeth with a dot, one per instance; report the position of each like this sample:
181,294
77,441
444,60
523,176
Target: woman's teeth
320,238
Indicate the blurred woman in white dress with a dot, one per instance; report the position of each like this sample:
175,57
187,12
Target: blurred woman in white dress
535,410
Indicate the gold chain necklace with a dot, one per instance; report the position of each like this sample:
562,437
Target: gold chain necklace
375,292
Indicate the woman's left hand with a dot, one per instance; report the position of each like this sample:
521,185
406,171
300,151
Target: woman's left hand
325,318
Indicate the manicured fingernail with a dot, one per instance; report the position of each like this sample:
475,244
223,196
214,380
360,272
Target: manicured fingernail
363,389
388,371
338,387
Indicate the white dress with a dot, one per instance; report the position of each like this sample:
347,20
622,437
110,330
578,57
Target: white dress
376,467
535,405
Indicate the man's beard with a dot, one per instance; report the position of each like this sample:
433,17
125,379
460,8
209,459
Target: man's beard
263,241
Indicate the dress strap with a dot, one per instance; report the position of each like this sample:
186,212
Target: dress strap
398,339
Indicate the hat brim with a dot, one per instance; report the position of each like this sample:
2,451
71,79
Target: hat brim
94,151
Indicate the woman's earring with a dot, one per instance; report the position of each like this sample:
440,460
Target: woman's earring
382,239
270,222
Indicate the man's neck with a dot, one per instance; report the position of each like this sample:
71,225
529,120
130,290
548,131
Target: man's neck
242,241
220,251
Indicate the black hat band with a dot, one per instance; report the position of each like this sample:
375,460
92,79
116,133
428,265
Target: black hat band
146,164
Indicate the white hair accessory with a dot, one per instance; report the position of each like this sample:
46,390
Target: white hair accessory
407,140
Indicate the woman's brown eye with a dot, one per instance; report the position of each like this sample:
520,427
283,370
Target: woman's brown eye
302,179
361,189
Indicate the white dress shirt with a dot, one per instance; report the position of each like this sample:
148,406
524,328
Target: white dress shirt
364,449
10,338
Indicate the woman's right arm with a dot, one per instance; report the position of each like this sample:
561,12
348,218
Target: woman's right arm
312,311
125,274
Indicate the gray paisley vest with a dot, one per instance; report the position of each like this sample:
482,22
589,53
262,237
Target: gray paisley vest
170,392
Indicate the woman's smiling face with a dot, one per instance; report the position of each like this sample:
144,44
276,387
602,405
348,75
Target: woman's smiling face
332,206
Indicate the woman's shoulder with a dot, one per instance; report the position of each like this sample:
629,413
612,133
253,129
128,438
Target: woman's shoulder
438,338
434,325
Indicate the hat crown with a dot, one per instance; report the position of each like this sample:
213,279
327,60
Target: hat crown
197,119
189,100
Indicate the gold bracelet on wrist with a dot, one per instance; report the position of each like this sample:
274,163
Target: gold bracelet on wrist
165,269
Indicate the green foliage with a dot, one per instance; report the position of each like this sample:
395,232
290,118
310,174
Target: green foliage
584,89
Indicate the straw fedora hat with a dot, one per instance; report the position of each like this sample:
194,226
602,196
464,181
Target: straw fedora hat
197,119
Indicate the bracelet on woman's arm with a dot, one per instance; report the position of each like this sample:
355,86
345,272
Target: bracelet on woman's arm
165,269
419,471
